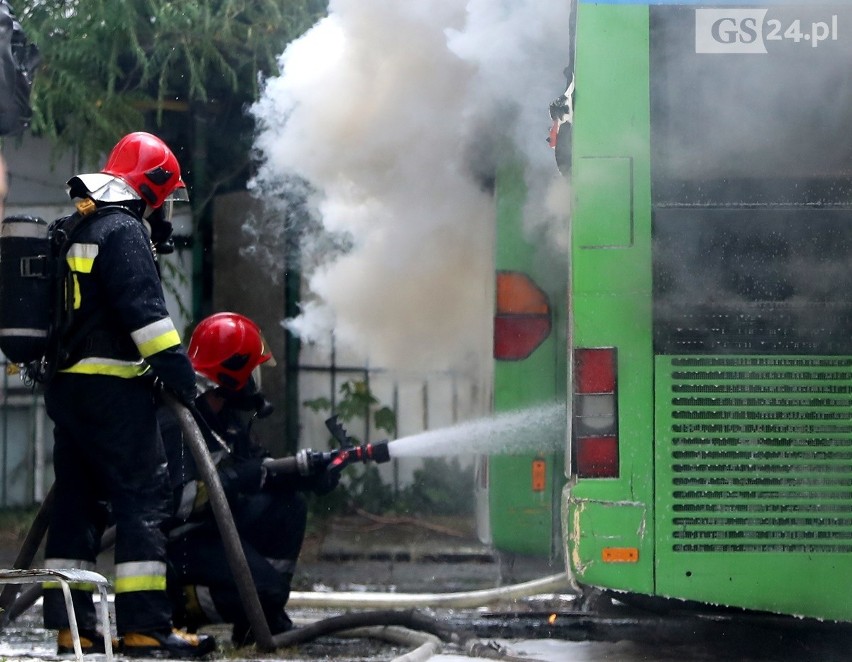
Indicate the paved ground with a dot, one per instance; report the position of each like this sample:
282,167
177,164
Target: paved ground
409,554
357,554
397,556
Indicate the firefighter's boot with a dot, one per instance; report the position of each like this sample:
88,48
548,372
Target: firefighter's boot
172,644
91,641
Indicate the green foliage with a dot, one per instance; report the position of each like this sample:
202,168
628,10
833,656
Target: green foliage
440,487
356,401
186,70
367,491
106,63
15,522
385,419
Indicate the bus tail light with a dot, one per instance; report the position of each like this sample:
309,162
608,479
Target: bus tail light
595,414
522,318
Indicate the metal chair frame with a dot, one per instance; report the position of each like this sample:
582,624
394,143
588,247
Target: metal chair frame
65,578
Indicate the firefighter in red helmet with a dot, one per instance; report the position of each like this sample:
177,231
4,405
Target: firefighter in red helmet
109,460
270,512
226,348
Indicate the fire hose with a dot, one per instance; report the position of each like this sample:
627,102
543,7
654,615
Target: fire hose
306,462
460,600
225,521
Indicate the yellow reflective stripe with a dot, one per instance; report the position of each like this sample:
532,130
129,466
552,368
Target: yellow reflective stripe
110,367
77,586
81,257
171,339
78,298
156,336
201,498
140,576
131,584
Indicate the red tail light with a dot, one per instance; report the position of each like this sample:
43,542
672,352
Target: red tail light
595,414
594,370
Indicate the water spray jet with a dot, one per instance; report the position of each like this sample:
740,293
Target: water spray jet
537,429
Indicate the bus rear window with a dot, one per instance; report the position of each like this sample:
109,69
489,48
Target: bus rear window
751,105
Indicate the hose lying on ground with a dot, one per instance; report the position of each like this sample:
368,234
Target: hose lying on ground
425,645
375,621
461,600
248,593
408,618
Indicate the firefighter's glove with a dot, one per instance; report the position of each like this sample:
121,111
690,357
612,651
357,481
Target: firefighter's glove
246,476
325,481
185,396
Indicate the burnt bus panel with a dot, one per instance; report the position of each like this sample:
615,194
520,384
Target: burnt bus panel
752,281
751,164
751,179
745,126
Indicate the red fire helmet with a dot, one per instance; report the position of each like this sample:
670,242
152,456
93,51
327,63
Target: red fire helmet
226,347
146,163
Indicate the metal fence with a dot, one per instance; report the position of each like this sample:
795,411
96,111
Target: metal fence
423,401
25,465
420,401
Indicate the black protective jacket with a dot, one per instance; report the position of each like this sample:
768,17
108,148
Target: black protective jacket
119,325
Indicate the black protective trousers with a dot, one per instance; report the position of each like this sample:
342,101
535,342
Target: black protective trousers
109,463
271,526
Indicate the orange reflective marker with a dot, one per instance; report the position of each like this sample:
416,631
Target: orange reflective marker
539,475
620,555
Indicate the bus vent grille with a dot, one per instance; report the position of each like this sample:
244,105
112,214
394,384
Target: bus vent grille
759,453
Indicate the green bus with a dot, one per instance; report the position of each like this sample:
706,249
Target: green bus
710,319
521,492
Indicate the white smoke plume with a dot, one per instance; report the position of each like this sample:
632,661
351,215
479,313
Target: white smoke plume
391,112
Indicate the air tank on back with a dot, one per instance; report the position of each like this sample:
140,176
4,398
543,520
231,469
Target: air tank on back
24,288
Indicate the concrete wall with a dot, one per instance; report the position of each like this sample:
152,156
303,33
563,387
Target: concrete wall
37,188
